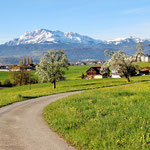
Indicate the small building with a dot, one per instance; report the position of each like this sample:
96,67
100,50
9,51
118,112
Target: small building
4,68
145,70
145,58
94,72
22,68
116,74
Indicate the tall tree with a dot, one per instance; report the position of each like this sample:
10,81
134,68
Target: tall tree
20,63
24,61
28,61
31,61
51,66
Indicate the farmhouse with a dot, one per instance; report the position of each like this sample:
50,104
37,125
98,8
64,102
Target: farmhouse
145,70
94,72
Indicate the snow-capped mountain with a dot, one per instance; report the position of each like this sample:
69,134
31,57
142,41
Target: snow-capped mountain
43,36
76,46
127,40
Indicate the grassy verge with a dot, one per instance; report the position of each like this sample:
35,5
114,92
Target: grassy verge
106,118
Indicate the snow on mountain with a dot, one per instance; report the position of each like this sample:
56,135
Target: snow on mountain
124,40
43,36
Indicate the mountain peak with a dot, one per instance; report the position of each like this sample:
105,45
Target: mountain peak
44,36
124,40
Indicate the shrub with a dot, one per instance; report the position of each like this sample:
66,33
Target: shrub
20,77
34,80
82,76
7,83
19,97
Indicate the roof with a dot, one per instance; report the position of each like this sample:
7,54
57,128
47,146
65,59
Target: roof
145,69
97,69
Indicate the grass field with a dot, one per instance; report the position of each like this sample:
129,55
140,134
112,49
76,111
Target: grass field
142,64
106,118
3,76
72,83
15,94
73,73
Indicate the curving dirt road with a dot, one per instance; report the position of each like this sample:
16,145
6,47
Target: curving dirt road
22,126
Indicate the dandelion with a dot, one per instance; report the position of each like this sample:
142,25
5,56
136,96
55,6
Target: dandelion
118,141
119,124
90,101
99,111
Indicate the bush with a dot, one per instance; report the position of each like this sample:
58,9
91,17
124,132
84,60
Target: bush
19,97
20,77
82,76
33,81
7,83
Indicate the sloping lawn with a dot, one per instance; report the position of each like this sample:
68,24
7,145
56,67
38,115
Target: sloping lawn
11,95
106,118
142,64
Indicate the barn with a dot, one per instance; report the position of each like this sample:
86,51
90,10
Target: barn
94,72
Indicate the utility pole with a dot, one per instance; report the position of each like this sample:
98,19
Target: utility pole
29,78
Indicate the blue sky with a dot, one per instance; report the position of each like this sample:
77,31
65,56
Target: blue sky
100,19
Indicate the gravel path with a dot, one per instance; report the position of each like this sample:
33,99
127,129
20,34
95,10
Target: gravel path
22,126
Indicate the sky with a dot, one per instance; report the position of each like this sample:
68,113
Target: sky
100,19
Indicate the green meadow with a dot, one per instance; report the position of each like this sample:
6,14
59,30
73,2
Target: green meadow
142,64
11,95
105,118
3,76
73,82
73,73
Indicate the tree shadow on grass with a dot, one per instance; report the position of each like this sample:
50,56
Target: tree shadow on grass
30,97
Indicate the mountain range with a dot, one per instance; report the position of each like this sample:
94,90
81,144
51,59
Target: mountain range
76,46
